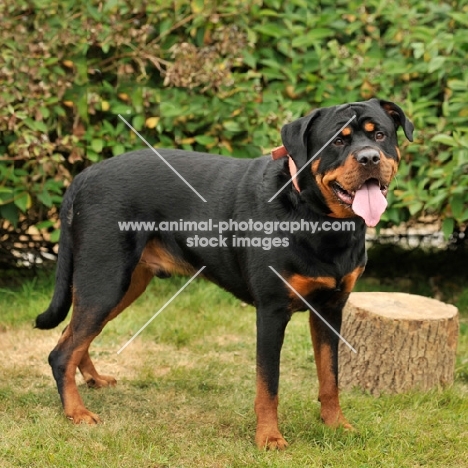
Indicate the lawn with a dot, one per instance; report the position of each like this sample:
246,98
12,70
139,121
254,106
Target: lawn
186,388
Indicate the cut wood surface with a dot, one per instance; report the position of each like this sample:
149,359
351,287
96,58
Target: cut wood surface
403,342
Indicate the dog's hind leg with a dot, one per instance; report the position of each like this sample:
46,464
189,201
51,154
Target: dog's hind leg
87,322
64,360
90,375
140,279
92,378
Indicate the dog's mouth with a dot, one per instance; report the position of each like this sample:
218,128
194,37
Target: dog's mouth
347,196
368,200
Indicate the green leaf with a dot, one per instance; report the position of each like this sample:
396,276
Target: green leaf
30,123
6,195
45,198
435,64
436,200
45,112
460,18
272,64
444,139
415,207
96,145
121,109
138,122
54,237
82,106
205,140
249,59
232,126
92,155
312,37
447,227
110,5
59,111
10,212
457,204
271,30
41,126
118,149
44,224
169,110
457,85
23,201
418,48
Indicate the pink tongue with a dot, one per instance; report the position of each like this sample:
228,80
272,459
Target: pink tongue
369,203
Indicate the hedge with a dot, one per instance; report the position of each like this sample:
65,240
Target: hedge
224,77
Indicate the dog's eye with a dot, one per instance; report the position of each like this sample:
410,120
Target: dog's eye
379,136
338,142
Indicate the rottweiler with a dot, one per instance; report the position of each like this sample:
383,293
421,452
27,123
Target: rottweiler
335,165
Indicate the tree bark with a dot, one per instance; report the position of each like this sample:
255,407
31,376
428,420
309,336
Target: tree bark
403,342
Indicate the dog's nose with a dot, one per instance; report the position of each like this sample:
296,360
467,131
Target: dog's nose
368,156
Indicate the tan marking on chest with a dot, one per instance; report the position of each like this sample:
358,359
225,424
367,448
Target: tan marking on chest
349,280
305,285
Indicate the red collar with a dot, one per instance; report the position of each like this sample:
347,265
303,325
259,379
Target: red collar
282,152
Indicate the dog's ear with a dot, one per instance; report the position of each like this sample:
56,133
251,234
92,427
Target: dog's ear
295,137
399,117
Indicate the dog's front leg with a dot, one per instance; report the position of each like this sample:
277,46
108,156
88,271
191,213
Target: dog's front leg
325,343
271,325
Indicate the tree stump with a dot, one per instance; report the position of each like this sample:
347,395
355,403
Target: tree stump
403,342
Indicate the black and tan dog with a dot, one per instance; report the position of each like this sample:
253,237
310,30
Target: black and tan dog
101,269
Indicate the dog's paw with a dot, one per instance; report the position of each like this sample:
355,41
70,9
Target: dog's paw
335,419
270,441
347,426
82,415
101,381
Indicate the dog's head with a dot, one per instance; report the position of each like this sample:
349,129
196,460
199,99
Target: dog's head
351,174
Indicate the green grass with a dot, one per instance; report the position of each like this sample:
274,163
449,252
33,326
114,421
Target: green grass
186,390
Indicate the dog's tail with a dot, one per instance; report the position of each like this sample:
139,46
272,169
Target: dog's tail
62,298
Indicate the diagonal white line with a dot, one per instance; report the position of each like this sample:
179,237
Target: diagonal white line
161,309
312,309
156,152
312,158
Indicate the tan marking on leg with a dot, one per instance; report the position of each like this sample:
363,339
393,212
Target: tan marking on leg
330,411
141,277
65,334
91,376
158,259
266,408
73,405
